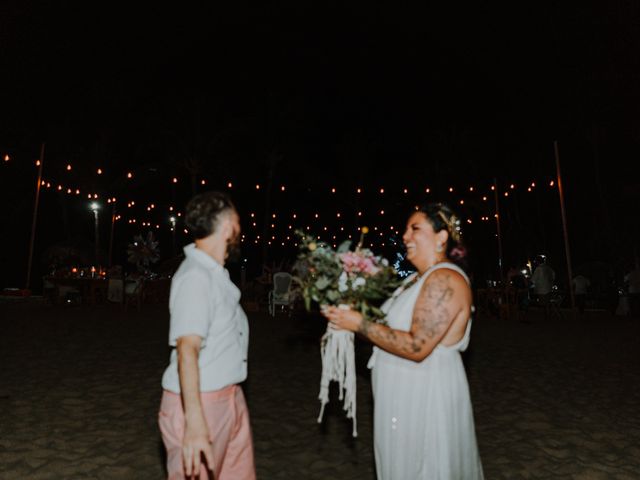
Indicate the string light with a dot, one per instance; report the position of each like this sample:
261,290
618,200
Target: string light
506,189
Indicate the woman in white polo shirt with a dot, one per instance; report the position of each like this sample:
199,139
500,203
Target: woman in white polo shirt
203,413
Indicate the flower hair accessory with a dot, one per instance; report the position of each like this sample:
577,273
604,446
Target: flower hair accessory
453,225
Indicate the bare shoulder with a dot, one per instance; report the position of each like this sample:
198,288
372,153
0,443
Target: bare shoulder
445,282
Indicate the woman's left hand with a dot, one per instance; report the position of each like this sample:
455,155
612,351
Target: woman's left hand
343,318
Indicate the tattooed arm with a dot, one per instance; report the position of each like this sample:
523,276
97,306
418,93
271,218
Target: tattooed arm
441,299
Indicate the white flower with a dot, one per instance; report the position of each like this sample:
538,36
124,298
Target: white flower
342,282
358,282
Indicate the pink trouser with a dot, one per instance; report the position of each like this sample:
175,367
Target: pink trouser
227,418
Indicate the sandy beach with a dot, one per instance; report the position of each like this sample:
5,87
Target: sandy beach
80,388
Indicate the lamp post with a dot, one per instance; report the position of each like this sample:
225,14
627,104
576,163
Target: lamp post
173,235
113,223
94,208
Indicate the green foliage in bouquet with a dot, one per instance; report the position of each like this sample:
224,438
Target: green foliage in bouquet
357,278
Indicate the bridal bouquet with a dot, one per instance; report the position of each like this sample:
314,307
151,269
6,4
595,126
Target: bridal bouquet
355,279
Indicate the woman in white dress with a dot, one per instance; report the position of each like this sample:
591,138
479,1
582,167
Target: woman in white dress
423,420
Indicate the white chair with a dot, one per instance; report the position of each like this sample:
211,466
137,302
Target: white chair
281,293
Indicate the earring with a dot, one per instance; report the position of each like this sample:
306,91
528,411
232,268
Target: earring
439,248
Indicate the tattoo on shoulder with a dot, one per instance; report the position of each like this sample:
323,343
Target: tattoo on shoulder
431,314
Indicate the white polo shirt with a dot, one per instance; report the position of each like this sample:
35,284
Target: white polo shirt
204,302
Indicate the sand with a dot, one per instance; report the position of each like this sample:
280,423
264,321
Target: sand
80,389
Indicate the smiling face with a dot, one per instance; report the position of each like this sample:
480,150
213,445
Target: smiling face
422,242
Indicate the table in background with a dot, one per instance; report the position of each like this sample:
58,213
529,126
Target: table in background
92,290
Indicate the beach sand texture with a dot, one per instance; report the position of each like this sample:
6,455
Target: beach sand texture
80,389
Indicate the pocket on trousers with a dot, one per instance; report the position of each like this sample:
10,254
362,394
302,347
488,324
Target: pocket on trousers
171,421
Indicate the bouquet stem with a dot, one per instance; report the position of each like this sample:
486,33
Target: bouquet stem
338,364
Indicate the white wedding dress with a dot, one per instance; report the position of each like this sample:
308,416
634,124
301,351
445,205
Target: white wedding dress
423,420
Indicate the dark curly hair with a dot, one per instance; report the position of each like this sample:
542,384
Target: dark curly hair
203,212
442,217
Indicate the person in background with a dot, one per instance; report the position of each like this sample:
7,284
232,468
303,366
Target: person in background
542,281
632,281
203,415
580,285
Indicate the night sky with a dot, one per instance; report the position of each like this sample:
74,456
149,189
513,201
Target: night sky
315,96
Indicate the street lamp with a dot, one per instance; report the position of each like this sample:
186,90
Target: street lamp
94,208
173,235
